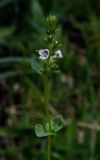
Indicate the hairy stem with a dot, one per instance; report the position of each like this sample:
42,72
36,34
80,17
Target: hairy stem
47,110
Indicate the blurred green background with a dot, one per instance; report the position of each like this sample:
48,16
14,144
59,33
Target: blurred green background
74,92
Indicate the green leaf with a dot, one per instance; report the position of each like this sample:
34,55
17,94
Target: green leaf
37,66
13,60
40,131
56,124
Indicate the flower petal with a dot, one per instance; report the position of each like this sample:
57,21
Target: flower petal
41,52
44,53
59,54
43,57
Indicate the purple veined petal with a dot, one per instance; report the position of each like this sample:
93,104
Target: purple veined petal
44,53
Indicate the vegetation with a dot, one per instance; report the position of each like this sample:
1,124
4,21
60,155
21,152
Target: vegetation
73,93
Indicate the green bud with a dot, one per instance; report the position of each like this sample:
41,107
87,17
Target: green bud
51,20
51,24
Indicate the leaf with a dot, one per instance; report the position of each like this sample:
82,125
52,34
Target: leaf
13,60
37,66
56,124
41,132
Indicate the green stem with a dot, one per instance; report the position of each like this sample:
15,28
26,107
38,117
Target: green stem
92,144
47,110
46,97
49,147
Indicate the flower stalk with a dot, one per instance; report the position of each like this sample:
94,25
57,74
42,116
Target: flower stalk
47,109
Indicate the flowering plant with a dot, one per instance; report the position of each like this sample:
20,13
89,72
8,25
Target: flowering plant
47,61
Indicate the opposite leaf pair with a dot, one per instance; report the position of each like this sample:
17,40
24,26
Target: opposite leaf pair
56,125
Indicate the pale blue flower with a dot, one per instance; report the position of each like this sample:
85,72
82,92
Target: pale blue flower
44,54
59,54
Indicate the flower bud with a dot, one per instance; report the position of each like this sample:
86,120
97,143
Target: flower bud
51,23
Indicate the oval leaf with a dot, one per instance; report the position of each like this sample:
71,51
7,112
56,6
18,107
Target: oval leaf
40,131
37,66
56,124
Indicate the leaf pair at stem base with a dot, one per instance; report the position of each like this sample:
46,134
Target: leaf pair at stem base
43,131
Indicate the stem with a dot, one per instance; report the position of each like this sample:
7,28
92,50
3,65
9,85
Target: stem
46,98
47,110
49,148
92,144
